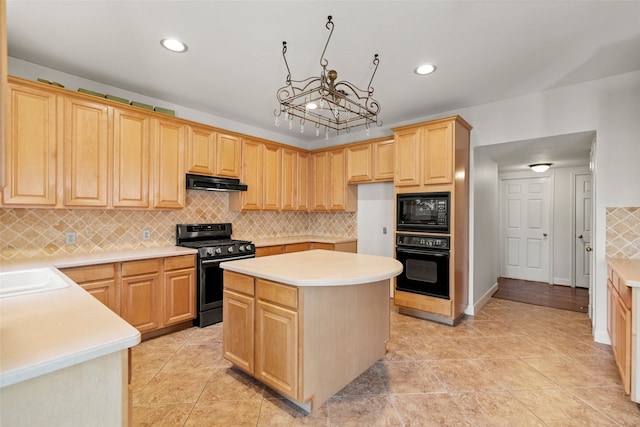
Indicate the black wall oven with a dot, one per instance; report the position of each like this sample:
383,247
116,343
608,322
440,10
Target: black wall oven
426,264
423,212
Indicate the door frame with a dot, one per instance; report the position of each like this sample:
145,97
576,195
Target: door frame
510,176
574,176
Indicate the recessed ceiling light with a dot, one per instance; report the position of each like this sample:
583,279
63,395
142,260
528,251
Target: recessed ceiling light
174,45
540,167
425,69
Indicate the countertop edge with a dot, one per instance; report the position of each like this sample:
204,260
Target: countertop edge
628,270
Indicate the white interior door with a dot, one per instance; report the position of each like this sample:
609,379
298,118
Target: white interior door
525,225
583,229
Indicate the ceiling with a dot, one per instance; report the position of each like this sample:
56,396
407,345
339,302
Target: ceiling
484,50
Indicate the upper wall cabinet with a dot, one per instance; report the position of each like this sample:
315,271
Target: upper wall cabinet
424,153
168,164
372,161
329,177
31,148
213,153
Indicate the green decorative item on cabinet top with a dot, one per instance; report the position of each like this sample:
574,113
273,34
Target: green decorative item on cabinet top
164,111
141,105
90,92
117,99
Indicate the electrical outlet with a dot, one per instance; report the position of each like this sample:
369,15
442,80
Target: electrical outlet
384,230
146,235
70,238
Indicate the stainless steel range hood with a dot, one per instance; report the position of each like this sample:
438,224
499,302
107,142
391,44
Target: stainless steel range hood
214,183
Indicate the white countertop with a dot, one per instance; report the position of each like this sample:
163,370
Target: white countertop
627,269
318,268
46,331
288,240
51,330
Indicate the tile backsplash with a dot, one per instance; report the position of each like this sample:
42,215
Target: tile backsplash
623,232
28,233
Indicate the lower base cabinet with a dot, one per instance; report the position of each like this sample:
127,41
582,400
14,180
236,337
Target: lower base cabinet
305,246
149,294
619,326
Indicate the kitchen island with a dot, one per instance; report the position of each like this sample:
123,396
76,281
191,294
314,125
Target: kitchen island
307,323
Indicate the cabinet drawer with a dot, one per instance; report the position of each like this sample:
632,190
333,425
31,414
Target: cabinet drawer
90,273
238,282
269,250
145,266
179,262
297,247
277,293
326,246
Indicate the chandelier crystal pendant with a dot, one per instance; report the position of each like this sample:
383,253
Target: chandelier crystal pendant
324,102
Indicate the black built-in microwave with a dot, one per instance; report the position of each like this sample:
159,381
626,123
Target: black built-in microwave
423,212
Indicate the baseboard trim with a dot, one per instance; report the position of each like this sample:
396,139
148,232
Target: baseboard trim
563,282
471,310
602,337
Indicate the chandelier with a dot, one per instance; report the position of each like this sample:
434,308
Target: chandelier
325,103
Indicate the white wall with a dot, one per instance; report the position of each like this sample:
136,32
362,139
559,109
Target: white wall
563,217
375,211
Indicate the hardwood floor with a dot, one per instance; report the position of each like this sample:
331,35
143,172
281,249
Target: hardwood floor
537,293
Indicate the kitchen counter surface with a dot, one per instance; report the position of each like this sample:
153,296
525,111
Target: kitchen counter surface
47,331
80,260
318,268
288,240
628,270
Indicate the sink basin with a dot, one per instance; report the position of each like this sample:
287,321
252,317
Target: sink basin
13,283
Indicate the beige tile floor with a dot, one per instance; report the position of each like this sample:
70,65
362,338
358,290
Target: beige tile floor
513,364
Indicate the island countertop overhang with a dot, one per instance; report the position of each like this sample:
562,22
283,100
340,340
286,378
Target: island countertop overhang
318,268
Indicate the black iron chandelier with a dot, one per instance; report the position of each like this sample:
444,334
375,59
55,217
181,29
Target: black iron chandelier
325,103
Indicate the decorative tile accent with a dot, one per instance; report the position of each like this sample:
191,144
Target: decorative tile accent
623,232
32,233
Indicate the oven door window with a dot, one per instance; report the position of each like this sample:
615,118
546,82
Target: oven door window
425,273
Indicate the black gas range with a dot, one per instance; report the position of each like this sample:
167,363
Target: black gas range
214,245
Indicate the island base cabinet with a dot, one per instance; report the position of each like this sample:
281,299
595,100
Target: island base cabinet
95,392
238,329
277,348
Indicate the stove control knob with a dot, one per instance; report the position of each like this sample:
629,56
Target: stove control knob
230,249
248,247
241,248
218,251
209,251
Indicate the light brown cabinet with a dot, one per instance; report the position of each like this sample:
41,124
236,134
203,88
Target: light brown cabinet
100,281
228,157
372,161
85,151
213,153
179,289
131,158
142,294
32,146
260,336
305,246
169,164
289,179
302,182
434,156
329,182
272,177
619,325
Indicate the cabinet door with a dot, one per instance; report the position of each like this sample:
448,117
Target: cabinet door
383,161
276,348
86,152
201,150
437,153
289,179
272,177
359,162
251,175
31,147
131,158
169,164
106,292
228,156
141,301
319,180
337,184
238,333
407,158
303,187
611,313
623,344
179,296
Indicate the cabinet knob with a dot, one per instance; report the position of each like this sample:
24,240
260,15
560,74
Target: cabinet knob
588,249
579,236
545,234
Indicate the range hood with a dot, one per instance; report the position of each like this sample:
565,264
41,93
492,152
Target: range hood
214,183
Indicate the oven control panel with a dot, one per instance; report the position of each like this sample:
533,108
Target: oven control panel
422,241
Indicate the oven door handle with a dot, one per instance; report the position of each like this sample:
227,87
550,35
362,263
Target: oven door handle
421,252
218,261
